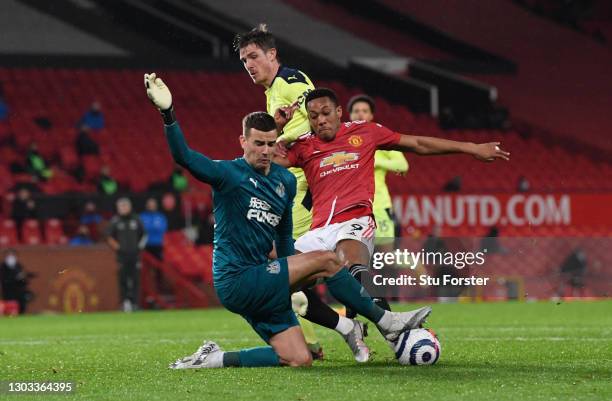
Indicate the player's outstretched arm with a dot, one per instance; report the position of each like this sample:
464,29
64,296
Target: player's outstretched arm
200,166
425,145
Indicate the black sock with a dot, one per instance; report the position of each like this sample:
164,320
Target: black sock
318,312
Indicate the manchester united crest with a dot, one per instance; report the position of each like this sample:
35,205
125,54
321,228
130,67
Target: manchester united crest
355,140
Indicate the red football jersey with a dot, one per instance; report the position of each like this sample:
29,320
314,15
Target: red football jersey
340,173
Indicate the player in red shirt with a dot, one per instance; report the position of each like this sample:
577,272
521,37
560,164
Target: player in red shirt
338,160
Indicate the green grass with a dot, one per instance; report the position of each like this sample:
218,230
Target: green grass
514,351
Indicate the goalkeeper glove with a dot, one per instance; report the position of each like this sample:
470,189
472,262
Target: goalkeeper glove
299,303
160,96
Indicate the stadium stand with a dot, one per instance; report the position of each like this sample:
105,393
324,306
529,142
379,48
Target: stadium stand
506,28
127,144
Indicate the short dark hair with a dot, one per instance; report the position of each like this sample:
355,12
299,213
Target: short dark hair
361,98
260,120
321,92
258,36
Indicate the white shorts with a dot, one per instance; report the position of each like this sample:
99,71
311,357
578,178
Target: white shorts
326,238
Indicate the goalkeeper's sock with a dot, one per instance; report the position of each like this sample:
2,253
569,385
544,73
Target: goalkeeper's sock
349,292
251,357
319,312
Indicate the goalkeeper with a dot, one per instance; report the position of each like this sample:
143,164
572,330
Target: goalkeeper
253,199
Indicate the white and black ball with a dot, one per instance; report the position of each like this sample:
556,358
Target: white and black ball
417,347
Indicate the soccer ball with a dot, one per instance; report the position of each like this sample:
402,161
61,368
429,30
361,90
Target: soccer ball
417,347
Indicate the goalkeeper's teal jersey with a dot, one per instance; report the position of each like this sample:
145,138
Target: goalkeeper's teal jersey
251,209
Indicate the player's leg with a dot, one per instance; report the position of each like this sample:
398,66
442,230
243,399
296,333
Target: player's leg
122,279
352,331
354,246
391,295
287,347
136,284
309,266
322,314
356,256
290,346
261,295
384,241
303,269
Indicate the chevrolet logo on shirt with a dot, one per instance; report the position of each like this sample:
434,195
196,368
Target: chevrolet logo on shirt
338,159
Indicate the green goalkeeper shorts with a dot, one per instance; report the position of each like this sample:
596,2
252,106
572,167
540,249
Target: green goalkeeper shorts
261,295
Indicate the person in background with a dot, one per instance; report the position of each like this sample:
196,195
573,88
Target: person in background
454,185
14,281
36,164
93,118
171,208
90,214
24,208
155,225
490,243
85,145
82,237
572,274
107,185
126,236
92,219
523,184
178,181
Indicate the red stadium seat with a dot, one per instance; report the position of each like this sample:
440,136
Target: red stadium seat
30,232
92,166
69,157
8,233
54,233
9,308
6,179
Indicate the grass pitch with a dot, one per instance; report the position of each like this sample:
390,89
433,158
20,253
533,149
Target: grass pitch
498,351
